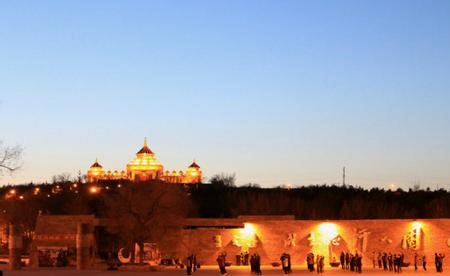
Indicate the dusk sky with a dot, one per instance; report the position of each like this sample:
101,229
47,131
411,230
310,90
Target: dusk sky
278,92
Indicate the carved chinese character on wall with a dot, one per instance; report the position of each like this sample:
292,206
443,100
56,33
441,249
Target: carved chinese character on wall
362,237
412,240
290,240
218,241
386,240
311,239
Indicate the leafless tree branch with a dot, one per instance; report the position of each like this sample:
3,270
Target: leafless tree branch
10,158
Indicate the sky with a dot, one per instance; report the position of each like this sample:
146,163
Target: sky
277,92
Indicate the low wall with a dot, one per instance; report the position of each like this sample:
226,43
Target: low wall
271,236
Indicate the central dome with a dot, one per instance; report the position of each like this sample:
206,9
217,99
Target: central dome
145,148
144,166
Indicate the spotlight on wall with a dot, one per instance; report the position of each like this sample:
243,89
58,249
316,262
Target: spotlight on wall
327,231
416,226
249,229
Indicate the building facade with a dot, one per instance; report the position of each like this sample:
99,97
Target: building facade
143,167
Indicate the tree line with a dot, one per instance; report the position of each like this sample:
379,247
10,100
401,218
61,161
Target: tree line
320,202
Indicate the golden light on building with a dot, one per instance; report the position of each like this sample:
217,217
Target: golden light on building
144,166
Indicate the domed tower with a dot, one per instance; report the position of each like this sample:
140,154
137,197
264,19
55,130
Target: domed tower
193,174
95,172
144,166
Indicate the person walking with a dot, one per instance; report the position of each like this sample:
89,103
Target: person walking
253,263
416,260
379,260
194,262
347,260
310,262
284,263
390,262
289,263
321,264
436,261
342,260
221,262
441,262
257,264
400,263
189,265
395,261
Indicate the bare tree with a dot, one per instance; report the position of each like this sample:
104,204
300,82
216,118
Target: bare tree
145,212
10,158
228,180
62,178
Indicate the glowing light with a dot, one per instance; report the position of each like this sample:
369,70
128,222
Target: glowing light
416,225
327,231
246,237
248,230
94,190
12,192
21,197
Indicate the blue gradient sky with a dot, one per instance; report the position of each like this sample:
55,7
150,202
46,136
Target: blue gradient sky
279,92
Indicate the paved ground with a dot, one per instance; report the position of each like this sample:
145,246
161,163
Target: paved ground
208,271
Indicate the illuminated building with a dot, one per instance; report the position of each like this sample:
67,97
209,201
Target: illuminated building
144,166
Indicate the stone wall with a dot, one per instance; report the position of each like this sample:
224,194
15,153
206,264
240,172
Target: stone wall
271,236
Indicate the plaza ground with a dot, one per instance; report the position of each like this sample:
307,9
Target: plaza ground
205,271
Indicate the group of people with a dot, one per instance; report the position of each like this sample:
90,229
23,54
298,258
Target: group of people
390,262
191,264
255,264
352,262
395,262
348,261
438,260
319,262
242,259
420,261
